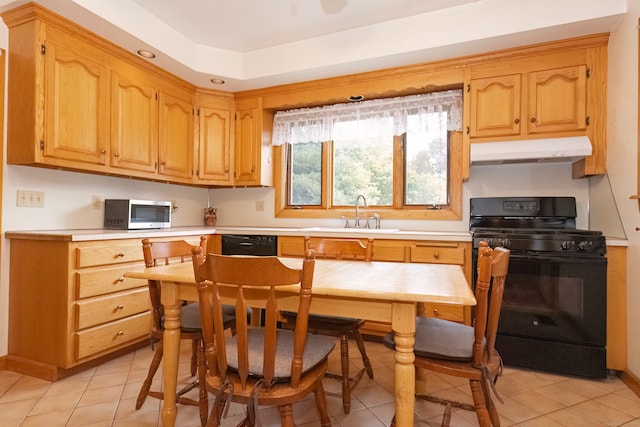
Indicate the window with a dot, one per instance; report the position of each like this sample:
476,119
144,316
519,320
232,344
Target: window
396,152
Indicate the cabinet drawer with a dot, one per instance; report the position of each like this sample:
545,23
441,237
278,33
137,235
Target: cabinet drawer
88,256
451,312
102,281
112,307
438,254
100,338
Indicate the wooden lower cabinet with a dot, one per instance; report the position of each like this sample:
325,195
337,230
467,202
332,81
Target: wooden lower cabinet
616,308
71,306
435,252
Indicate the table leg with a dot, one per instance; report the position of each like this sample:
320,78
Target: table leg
171,348
404,328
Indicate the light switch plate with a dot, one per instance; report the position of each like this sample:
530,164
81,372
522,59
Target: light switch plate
31,199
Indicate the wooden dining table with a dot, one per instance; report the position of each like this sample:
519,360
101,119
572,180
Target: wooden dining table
381,291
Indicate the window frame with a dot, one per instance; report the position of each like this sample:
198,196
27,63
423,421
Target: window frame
451,211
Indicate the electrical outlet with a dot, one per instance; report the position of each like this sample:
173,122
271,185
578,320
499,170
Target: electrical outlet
259,205
31,199
96,202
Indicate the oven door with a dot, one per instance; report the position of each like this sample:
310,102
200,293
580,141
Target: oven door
556,299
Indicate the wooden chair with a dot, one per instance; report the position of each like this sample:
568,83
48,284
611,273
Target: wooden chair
342,327
467,351
164,253
259,365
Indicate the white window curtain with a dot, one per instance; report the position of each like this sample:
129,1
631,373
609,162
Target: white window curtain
383,117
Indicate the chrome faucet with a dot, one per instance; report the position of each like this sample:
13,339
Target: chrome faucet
364,201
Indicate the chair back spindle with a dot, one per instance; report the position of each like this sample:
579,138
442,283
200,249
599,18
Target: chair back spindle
493,265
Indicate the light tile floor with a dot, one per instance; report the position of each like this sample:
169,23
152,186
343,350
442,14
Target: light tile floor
105,396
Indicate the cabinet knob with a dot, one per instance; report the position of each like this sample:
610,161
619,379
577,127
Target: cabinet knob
533,119
120,307
116,154
103,151
436,312
637,228
516,121
120,255
436,255
120,279
120,333
163,163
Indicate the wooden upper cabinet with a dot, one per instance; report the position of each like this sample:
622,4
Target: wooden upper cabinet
495,106
247,142
76,103
176,136
58,111
134,124
215,150
557,100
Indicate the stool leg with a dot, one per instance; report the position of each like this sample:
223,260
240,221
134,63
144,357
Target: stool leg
202,385
194,356
344,358
146,386
365,359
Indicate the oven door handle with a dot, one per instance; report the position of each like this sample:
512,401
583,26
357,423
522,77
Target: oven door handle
557,258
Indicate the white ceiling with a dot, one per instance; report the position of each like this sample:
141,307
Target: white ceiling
259,43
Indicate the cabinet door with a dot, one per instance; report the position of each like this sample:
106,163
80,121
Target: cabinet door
134,124
176,136
495,106
557,99
76,104
247,148
214,153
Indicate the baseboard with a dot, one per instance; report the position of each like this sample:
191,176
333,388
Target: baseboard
55,373
631,381
3,363
32,368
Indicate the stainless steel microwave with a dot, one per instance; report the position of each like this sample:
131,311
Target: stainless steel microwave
130,214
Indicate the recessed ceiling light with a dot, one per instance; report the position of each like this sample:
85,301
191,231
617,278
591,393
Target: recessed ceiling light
356,98
146,54
217,81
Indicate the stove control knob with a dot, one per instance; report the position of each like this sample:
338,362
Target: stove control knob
567,245
505,243
583,246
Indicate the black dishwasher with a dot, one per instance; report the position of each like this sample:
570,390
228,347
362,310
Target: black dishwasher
241,244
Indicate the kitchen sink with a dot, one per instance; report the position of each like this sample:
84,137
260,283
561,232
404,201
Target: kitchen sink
352,230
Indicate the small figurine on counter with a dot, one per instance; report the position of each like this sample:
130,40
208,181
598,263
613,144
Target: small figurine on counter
210,216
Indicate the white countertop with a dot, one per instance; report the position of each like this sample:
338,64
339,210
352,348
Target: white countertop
104,234
391,233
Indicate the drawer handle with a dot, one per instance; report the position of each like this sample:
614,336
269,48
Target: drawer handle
120,307
121,254
120,333
436,312
120,279
436,255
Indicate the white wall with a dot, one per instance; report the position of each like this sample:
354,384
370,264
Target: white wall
622,136
237,207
